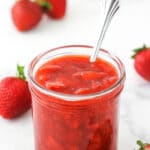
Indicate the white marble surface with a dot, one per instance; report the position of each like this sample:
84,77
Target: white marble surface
129,29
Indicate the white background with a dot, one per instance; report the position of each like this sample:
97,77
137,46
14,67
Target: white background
129,29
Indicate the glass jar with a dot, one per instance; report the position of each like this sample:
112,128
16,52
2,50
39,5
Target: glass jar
75,122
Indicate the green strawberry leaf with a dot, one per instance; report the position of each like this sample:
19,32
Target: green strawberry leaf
46,5
20,72
137,50
141,144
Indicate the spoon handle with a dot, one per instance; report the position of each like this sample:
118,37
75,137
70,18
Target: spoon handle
112,9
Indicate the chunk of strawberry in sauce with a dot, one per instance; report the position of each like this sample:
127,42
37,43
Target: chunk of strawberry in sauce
54,85
101,140
82,91
47,68
45,72
89,75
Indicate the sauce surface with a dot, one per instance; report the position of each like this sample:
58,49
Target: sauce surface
76,75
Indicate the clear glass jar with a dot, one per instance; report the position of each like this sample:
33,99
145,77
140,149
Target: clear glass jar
75,122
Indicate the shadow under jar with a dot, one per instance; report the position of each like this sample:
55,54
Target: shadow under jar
75,121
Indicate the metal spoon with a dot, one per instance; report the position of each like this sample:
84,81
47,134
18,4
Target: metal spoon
113,6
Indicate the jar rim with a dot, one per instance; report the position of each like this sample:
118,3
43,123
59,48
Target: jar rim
73,97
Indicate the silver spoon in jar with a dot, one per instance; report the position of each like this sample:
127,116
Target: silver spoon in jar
113,6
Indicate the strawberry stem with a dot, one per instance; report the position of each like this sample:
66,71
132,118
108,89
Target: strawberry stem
20,72
136,51
46,5
141,145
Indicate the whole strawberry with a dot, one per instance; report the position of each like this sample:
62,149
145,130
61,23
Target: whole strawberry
15,97
26,14
143,146
53,8
142,62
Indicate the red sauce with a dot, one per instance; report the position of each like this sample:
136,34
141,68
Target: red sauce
76,75
76,125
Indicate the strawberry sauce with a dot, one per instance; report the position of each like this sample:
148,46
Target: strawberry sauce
76,75
89,124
